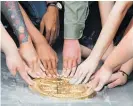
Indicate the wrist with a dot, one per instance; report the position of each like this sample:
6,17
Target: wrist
94,58
52,9
11,52
124,73
107,67
37,37
41,42
56,4
71,41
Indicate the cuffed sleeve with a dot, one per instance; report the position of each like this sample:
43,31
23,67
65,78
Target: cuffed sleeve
75,15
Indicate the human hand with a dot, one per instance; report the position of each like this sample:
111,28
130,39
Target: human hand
29,55
48,58
50,21
118,78
100,78
84,72
71,57
14,64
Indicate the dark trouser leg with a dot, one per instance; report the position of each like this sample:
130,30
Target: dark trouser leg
35,10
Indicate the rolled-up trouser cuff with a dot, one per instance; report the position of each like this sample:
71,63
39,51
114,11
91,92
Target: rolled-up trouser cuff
73,31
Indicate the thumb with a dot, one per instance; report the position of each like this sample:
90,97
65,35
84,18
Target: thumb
79,60
100,86
42,27
113,84
13,72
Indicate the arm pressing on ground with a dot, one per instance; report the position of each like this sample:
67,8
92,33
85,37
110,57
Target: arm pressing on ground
13,59
88,67
121,54
13,14
110,28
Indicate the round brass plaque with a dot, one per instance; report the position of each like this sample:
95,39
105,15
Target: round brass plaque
61,88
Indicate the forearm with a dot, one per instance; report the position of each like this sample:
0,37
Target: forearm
34,33
105,8
109,30
7,44
122,53
13,14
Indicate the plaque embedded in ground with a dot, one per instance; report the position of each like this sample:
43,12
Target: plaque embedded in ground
61,88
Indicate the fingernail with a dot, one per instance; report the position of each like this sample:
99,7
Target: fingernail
58,75
32,83
54,76
49,75
64,75
38,76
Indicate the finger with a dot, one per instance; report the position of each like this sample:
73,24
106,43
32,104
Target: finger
92,77
87,78
77,73
73,69
65,63
52,36
52,73
45,64
32,74
50,68
41,66
25,76
41,27
114,84
69,68
100,86
30,65
55,71
63,72
48,34
93,84
79,60
56,57
54,66
76,76
113,78
43,74
13,71
37,69
49,64
64,67
29,71
48,74
81,78
53,61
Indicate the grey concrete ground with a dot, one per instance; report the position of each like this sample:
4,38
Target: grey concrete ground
16,93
